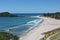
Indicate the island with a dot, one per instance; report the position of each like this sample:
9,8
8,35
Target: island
7,14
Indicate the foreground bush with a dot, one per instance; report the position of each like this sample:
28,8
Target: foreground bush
8,36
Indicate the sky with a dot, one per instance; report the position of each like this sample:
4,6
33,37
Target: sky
29,6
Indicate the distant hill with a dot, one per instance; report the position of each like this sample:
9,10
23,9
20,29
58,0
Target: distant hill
7,14
52,15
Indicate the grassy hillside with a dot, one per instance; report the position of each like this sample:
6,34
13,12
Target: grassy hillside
50,33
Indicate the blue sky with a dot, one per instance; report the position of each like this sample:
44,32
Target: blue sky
30,6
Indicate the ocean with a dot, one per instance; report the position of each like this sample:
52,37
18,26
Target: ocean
19,25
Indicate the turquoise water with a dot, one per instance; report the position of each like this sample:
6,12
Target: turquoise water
18,25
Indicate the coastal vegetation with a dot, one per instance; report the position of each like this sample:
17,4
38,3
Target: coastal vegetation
52,15
55,37
55,33
8,36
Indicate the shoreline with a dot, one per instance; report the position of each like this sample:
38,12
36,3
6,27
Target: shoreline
45,26
26,32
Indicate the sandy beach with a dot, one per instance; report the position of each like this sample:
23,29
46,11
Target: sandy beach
47,25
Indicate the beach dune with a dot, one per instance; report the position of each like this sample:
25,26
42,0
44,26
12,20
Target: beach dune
47,25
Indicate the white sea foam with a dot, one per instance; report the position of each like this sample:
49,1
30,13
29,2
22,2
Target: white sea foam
32,23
